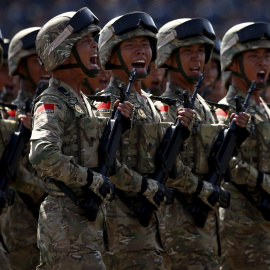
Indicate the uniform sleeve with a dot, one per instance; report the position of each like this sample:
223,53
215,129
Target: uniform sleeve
50,118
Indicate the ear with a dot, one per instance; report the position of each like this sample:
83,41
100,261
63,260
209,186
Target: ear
169,61
234,65
112,58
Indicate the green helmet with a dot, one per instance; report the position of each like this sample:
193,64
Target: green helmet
240,38
21,46
184,32
122,28
56,39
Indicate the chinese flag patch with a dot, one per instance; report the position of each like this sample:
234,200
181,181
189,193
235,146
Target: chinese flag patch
104,107
164,110
12,114
221,115
45,108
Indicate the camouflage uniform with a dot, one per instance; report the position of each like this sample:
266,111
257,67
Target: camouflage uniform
189,246
64,145
130,243
20,237
243,230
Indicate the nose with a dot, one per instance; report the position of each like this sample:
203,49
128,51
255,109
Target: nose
140,50
93,45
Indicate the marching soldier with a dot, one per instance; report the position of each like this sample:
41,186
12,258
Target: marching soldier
184,46
245,226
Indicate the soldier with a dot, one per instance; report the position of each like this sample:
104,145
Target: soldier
184,46
244,230
20,237
154,82
64,146
212,89
9,86
127,42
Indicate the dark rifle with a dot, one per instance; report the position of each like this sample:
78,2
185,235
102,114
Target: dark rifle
221,153
13,152
11,106
166,155
111,137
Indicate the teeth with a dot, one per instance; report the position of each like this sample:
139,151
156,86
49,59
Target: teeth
262,71
140,61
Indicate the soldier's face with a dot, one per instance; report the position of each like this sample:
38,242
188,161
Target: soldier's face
211,73
87,50
192,59
35,69
136,53
257,64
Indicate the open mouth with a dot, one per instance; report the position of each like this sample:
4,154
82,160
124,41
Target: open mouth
103,81
261,76
155,84
140,64
93,60
195,70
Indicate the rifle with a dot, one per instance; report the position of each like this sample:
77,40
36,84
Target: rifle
166,155
12,153
112,134
221,153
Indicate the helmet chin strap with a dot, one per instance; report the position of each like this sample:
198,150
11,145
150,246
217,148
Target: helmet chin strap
92,73
179,69
124,67
243,75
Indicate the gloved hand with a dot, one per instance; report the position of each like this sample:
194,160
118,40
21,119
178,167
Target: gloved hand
212,195
153,191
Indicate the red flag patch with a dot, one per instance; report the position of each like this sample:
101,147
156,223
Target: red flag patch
45,108
164,110
12,114
104,107
221,114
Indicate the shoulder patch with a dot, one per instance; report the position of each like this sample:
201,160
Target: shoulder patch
221,114
104,107
164,109
45,108
12,114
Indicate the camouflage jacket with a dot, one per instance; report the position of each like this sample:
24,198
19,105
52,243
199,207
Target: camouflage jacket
254,152
65,136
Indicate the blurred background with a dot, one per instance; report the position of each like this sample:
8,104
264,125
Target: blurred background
16,15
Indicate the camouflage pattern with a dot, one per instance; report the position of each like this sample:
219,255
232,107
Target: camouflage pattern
6,129
64,144
132,246
16,52
20,236
165,49
244,232
108,40
50,31
231,47
188,246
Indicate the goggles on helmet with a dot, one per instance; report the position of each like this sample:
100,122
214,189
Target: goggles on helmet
190,28
81,19
254,32
131,21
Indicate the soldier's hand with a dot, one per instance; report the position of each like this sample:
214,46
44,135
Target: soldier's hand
185,115
241,119
26,120
125,108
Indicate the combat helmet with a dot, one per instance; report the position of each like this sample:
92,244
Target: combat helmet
122,28
21,46
184,32
56,39
243,37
